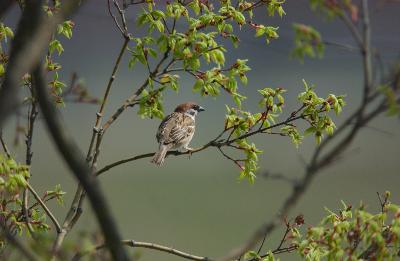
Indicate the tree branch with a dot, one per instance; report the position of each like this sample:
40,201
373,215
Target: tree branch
45,208
213,143
317,164
366,53
123,29
153,246
32,114
3,144
75,210
79,167
99,114
131,99
353,29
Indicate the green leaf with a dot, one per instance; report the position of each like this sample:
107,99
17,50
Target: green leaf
195,6
310,130
2,70
198,85
243,78
281,12
159,25
152,52
9,32
56,45
260,31
252,255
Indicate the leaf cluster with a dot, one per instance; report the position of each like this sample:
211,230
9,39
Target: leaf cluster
335,8
199,46
353,234
5,34
307,41
316,111
241,124
13,180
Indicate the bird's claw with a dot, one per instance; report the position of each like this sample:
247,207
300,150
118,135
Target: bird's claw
189,151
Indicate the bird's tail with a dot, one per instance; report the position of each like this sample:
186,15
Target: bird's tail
158,158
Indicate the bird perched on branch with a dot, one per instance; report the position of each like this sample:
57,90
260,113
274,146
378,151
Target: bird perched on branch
176,130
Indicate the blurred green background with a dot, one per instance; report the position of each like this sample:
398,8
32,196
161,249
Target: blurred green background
198,205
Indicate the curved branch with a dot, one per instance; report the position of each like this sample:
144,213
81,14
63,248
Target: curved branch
216,142
354,31
75,160
153,246
3,144
124,30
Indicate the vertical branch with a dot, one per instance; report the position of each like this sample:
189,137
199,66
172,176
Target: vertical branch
3,144
353,29
75,210
29,136
28,160
367,56
99,114
124,28
75,160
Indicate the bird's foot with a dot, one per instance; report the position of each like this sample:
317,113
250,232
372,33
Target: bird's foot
189,151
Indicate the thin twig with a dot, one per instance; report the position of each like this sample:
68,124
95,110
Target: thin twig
277,176
153,246
3,144
353,29
99,114
45,208
383,202
33,112
122,14
262,243
343,46
139,91
123,32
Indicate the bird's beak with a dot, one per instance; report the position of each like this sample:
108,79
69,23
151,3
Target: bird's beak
201,109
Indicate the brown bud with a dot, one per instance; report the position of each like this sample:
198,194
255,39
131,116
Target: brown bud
299,220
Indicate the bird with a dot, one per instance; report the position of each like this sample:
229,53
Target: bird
176,130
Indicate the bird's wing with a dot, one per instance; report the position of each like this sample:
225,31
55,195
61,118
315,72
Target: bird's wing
182,130
175,128
165,127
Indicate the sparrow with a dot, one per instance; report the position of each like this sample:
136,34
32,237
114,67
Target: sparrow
176,130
